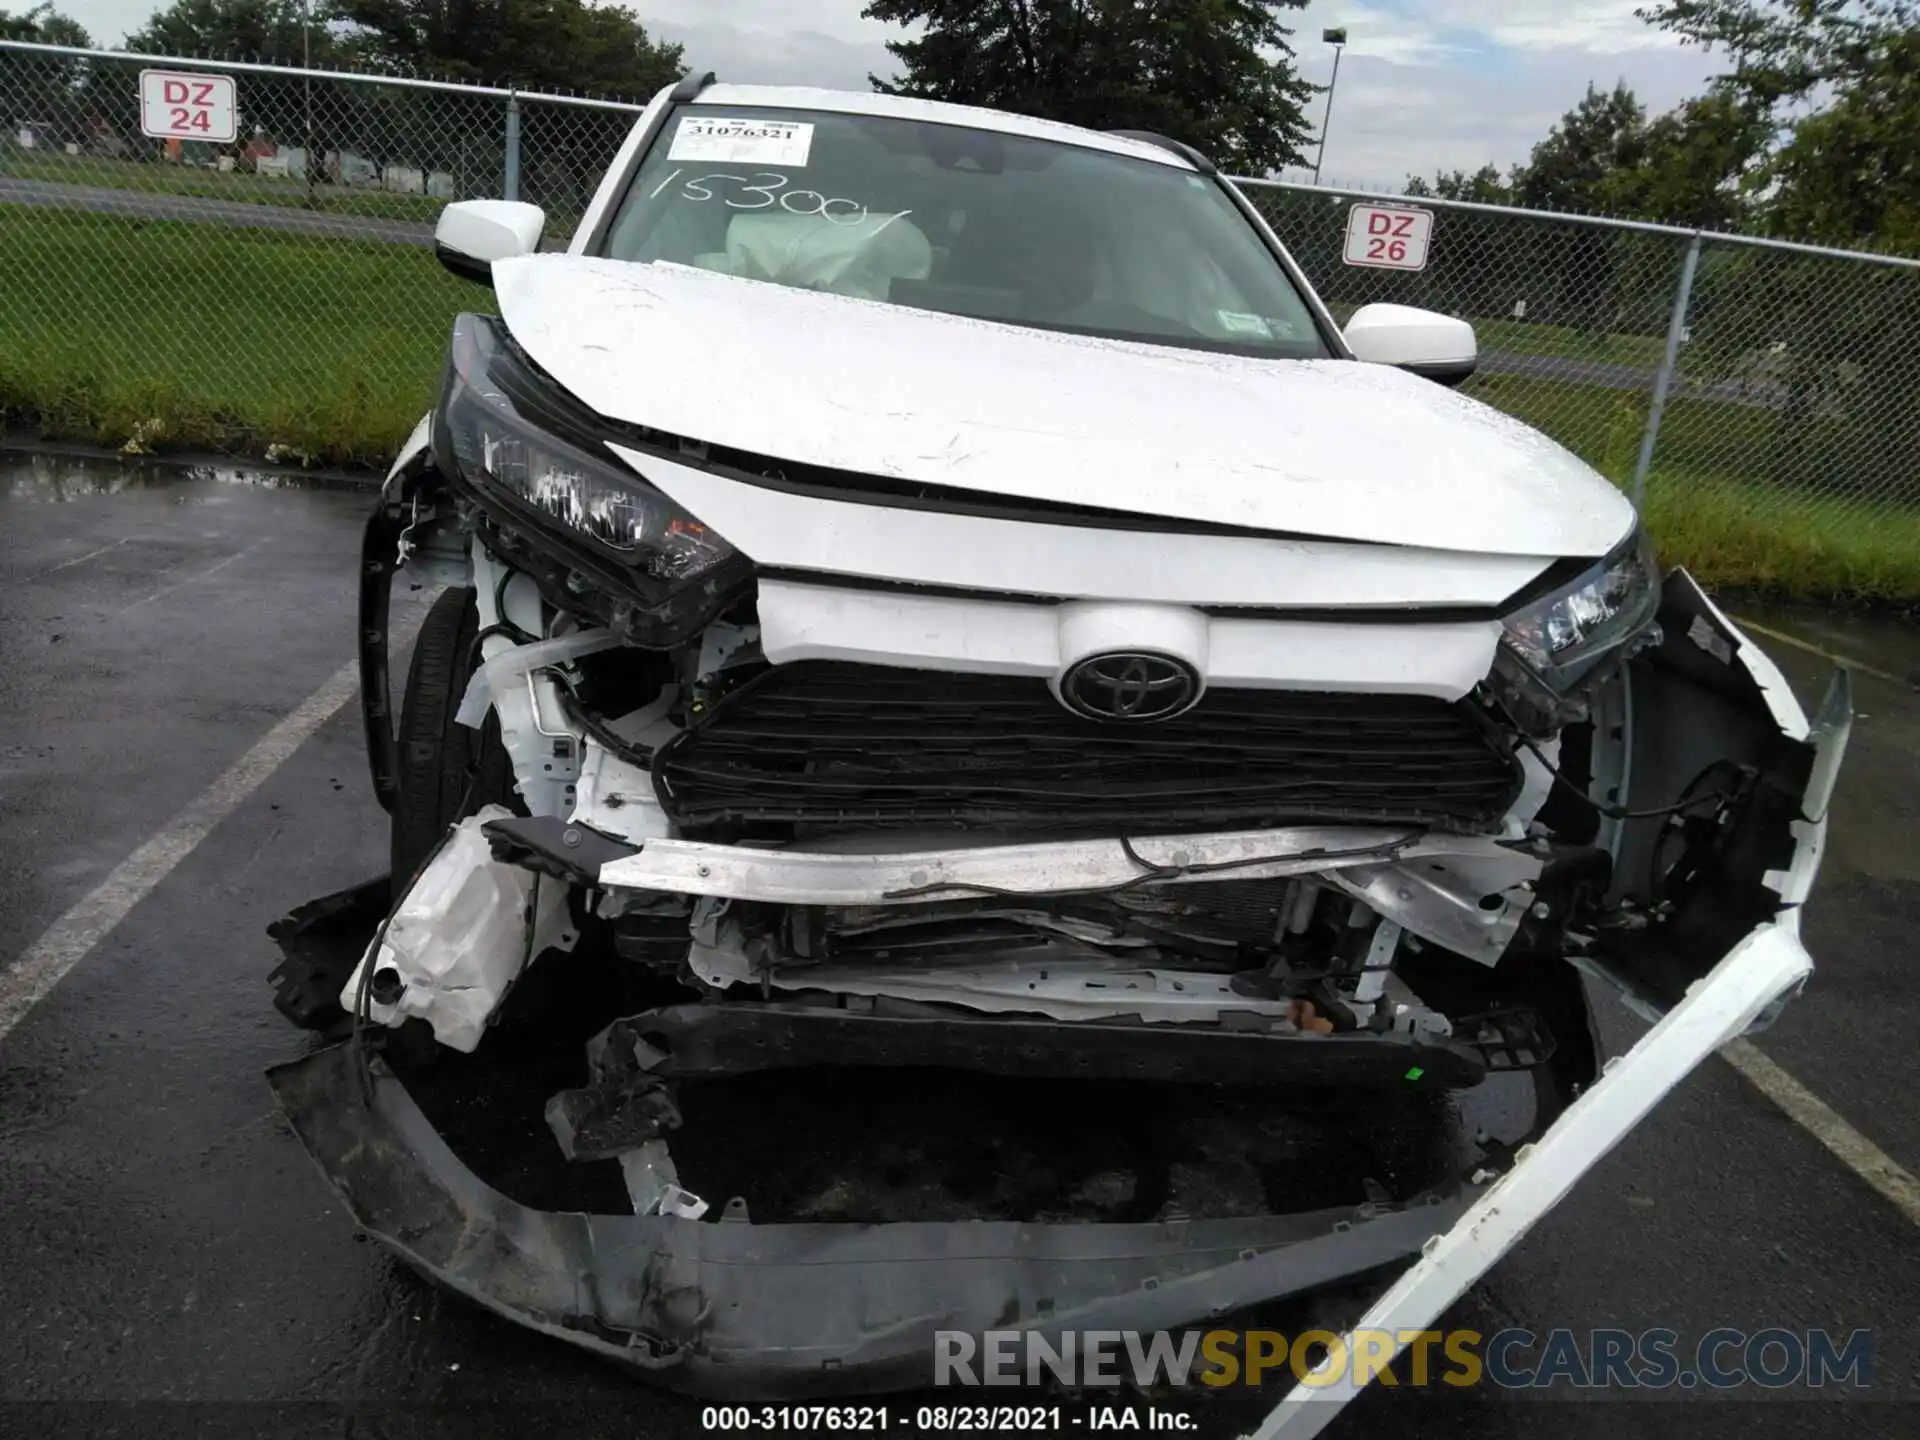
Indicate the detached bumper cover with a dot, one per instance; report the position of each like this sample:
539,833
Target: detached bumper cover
1743,991
1762,970
741,1311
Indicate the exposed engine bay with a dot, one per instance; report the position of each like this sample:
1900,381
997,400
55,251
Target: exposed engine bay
722,868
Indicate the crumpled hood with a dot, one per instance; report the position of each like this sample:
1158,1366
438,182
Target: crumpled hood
1326,447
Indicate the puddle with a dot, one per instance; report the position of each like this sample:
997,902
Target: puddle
54,479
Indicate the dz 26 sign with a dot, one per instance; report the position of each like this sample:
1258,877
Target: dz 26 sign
1392,237
178,106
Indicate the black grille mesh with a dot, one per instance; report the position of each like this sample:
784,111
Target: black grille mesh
828,743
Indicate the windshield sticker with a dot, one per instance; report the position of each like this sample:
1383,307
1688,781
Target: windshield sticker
728,140
1238,324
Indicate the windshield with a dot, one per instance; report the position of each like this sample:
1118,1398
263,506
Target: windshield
968,222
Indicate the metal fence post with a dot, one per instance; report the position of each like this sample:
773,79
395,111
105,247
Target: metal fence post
1663,382
510,190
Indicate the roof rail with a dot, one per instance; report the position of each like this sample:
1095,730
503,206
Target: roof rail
690,86
1167,142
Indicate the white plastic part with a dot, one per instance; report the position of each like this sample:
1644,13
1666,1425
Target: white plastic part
653,1183
459,939
682,1204
988,637
1026,557
1403,335
1747,986
617,798
419,441
1766,965
490,230
544,750
1088,627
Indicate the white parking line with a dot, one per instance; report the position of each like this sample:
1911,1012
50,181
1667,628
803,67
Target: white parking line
78,560
1859,666
197,575
67,941
1818,1119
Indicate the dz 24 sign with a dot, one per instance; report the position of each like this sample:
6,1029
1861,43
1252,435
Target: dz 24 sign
177,106
1390,237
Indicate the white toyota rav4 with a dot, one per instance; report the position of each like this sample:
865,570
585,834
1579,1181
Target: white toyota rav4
934,590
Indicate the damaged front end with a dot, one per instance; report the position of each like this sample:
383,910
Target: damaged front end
760,827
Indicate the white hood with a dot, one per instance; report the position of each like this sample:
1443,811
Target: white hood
1326,447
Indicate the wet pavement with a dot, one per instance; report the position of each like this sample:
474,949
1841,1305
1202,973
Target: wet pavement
167,1240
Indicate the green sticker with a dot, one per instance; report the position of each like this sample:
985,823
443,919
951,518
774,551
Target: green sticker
1415,1073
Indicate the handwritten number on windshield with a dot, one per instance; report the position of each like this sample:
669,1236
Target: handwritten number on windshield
771,191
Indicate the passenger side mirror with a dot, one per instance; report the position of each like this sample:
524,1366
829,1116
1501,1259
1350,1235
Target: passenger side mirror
1426,342
472,234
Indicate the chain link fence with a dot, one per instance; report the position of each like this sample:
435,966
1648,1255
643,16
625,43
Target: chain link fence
1756,397
277,293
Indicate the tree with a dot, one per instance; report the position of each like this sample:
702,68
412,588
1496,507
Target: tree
275,31
1837,84
538,44
1576,167
49,90
1698,164
45,25
1216,74
1485,186
1847,169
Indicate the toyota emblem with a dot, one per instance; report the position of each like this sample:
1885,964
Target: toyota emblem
1130,685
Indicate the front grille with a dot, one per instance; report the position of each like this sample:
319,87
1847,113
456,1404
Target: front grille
822,742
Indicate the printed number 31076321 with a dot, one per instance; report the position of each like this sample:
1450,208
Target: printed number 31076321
769,191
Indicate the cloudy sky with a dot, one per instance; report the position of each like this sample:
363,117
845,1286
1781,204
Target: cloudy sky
1425,84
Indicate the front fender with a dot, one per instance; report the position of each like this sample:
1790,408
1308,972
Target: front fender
413,457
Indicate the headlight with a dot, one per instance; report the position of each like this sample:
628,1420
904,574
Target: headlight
499,423
1562,637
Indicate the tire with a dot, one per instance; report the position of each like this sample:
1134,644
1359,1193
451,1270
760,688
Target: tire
447,771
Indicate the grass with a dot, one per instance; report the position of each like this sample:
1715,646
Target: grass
1519,337
159,178
1751,538
173,333
1710,505
190,336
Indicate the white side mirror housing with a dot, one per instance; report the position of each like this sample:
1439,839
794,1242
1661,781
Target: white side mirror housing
1423,341
472,234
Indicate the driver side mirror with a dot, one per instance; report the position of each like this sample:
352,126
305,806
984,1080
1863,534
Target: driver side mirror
1426,342
471,234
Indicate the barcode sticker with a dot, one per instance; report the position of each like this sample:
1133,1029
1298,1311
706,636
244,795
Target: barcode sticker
721,139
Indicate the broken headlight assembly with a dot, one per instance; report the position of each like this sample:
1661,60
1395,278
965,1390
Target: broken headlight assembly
1554,643
529,455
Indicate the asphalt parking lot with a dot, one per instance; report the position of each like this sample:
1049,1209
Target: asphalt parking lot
172,689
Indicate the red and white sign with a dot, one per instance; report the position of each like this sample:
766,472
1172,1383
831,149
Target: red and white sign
1392,237
177,106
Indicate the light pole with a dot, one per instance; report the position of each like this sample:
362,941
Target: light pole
1337,39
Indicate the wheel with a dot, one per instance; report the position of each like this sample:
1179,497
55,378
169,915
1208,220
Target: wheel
447,771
